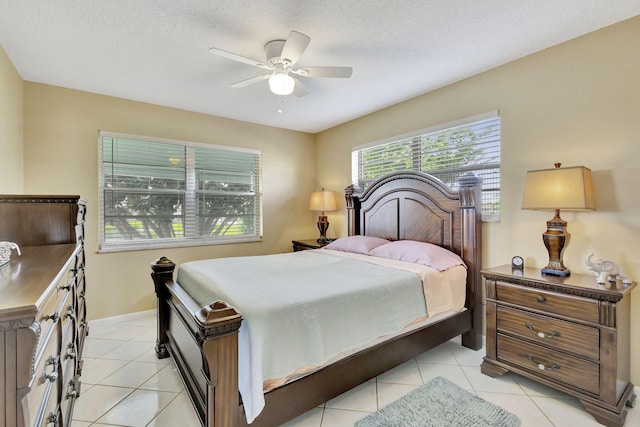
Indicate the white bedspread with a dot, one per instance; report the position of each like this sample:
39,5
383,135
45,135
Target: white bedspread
304,308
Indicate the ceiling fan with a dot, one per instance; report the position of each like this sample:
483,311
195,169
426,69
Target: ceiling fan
281,56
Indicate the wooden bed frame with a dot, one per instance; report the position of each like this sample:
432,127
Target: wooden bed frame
203,341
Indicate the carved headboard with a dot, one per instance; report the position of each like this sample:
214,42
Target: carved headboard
417,206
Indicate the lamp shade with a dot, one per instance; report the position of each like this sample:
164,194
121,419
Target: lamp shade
559,188
281,83
324,201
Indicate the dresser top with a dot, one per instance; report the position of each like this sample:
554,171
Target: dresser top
576,284
25,279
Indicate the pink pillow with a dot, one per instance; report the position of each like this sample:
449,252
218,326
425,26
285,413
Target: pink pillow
356,244
427,254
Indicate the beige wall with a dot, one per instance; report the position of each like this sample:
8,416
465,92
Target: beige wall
60,157
11,126
577,103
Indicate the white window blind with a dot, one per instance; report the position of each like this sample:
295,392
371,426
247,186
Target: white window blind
470,146
164,193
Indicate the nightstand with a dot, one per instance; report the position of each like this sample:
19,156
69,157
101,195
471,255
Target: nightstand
568,333
303,245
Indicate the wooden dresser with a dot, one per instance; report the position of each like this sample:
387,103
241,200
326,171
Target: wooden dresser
568,333
42,309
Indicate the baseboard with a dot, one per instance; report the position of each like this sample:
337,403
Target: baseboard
123,317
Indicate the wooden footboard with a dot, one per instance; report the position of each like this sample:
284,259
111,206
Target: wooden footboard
203,341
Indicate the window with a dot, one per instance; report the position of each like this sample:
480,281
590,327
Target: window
471,145
162,193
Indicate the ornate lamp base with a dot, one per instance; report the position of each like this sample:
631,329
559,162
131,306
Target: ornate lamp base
556,238
323,226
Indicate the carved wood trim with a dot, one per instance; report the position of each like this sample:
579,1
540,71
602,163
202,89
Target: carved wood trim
559,288
490,289
607,313
7,325
218,319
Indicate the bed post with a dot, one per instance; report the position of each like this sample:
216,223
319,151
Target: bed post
470,204
220,324
353,209
162,271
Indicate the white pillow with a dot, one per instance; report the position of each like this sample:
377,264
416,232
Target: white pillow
428,254
356,244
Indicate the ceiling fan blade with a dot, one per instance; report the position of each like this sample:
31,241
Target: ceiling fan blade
339,72
299,90
252,80
294,46
238,58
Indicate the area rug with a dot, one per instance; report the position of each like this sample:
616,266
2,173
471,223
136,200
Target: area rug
440,403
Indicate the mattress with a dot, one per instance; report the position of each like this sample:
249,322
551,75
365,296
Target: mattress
304,309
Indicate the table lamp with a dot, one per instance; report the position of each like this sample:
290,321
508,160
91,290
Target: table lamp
323,201
554,189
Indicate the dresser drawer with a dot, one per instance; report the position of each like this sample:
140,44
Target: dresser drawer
561,335
50,413
69,390
69,338
54,305
43,396
554,365
567,305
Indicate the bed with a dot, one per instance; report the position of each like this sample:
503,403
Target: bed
203,339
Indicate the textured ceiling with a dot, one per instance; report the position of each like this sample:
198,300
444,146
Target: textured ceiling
156,51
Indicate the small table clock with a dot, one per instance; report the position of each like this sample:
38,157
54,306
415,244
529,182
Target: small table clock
517,262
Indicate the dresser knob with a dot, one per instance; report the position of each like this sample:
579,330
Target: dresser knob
540,299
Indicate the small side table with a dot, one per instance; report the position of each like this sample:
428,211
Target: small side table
303,245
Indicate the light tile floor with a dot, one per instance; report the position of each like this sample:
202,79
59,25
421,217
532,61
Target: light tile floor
123,384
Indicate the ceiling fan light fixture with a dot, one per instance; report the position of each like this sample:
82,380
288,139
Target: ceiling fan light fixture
281,83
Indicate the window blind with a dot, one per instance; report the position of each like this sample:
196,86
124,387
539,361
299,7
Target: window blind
472,146
159,193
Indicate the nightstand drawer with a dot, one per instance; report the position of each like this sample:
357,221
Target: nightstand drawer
578,339
552,364
563,304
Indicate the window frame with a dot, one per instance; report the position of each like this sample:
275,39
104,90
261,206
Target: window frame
191,193
416,138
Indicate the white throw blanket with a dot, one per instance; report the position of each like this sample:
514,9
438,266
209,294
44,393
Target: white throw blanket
302,309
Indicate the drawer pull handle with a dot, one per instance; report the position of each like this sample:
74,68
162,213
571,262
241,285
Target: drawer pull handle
52,418
541,366
70,313
72,393
53,317
52,377
540,299
541,334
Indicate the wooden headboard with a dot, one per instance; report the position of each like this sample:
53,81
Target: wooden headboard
417,206
414,206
